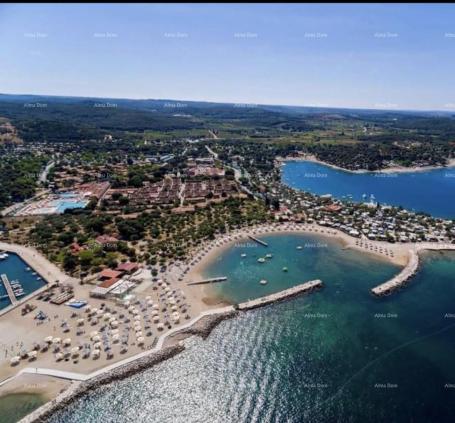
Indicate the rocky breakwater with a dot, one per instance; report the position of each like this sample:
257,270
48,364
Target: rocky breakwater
78,389
401,279
303,288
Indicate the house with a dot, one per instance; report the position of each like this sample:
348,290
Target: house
106,241
127,267
107,274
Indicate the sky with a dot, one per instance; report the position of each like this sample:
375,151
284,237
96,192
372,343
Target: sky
395,56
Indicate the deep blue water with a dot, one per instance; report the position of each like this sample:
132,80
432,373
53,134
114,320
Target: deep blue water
338,355
15,268
430,191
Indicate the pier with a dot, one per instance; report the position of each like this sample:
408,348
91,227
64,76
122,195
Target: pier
258,241
211,280
399,280
9,290
303,288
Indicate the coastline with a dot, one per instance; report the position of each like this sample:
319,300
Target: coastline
394,169
206,320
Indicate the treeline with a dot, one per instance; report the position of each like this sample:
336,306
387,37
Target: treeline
19,177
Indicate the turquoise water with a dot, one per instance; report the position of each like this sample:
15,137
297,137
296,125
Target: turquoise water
430,191
338,355
16,406
15,268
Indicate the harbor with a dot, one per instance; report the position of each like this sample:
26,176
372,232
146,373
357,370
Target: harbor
17,281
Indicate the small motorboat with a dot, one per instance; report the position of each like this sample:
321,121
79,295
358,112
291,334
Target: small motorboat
263,282
261,260
285,269
268,255
299,247
243,255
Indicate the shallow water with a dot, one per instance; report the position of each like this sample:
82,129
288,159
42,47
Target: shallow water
15,406
430,191
336,355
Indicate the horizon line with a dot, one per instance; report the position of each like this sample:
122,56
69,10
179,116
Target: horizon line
234,103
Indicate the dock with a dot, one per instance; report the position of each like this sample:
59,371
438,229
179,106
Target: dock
8,288
303,288
211,280
399,280
259,241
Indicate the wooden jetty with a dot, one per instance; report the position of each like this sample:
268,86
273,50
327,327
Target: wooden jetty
9,290
259,241
211,280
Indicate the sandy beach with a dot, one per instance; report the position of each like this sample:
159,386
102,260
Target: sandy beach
22,331
393,169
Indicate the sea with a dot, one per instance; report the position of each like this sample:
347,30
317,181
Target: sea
16,269
431,191
336,355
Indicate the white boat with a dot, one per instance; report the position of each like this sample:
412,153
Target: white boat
263,282
285,269
268,255
243,255
299,247
261,260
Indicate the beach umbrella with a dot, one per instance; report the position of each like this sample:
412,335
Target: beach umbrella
80,322
176,317
174,308
94,310
135,311
148,298
107,316
97,345
131,308
15,360
59,356
114,331
96,338
114,324
56,341
95,353
115,338
138,334
67,341
94,333
32,354
156,307
75,351
140,341
48,339
150,303
160,326
156,319
137,318
99,313
155,313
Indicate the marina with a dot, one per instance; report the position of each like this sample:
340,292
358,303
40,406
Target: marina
18,281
